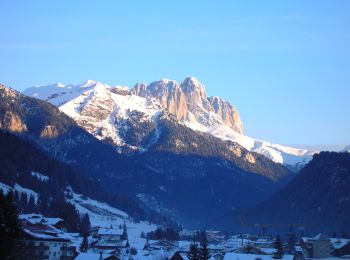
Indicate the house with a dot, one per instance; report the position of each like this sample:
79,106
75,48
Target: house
40,219
104,244
342,251
41,242
44,238
96,256
219,256
94,231
115,234
158,245
240,256
178,256
316,247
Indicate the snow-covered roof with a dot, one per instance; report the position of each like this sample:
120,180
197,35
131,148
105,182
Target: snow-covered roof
239,256
91,256
39,219
339,242
321,237
45,235
110,231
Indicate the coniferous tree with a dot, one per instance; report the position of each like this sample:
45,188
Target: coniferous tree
125,232
291,240
193,253
84,244
84,224
278,246
10,228
203,250
31,203
24,202
16,198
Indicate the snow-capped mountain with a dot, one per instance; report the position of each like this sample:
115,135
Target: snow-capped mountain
110,112
177,168
346,149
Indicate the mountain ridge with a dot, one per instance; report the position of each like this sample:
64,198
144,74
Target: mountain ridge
187,101
177,162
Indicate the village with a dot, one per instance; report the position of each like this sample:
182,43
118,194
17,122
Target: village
50,238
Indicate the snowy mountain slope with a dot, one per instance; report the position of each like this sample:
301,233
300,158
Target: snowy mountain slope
111,112
5,189
346,149
105,216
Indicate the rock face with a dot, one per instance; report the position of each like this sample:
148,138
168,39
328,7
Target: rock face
189,101
169,95
49,131
12,123
227,112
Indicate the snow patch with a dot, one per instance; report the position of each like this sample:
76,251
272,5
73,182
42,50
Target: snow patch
40,176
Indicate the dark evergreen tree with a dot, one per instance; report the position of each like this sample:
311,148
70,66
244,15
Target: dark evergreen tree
125,232
10,228
31,204
84,225
204,253
278,246
84,244
291,241
24,202
193,253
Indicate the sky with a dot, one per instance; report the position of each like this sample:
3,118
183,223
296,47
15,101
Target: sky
285,65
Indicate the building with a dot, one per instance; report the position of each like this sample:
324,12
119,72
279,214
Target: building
316,247
40,219
44,245
96,256
42,240
240,256
110,234
178,256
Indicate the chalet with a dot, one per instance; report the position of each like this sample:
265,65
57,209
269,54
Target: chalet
42,242
178,256
96,256
218,256
340,247
110,234
45,238
94,231
104,244
316,247
238,256
27,219
158,245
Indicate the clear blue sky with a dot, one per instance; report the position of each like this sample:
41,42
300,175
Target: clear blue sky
284,64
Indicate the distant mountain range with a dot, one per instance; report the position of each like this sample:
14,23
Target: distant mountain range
110,113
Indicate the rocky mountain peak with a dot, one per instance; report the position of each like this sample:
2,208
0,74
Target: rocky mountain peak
227,112
193,89
168,93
